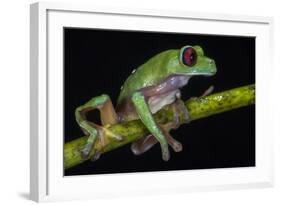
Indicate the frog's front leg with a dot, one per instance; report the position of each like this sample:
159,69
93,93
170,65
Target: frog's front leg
144,144
146,117
93,131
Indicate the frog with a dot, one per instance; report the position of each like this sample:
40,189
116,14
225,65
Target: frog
152,86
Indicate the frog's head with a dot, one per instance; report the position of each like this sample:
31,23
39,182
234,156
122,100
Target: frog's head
190,60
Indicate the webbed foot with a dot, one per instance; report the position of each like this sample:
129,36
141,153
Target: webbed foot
101,134
93,131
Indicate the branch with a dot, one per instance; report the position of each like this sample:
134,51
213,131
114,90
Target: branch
130,131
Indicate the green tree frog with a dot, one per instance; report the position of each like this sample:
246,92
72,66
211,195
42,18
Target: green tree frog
149,88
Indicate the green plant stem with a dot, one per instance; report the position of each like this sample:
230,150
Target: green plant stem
130,131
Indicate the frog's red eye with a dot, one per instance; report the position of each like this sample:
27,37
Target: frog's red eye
189,56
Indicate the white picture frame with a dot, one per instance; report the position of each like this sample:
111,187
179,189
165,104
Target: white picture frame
47,182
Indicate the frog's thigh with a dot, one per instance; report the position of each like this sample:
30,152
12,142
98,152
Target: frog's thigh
107,112
104,105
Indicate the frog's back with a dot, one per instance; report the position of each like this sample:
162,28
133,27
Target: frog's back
148,74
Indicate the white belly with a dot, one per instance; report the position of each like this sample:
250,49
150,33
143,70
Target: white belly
157,102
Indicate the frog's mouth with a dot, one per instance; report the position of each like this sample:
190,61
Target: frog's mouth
200,74
208,74
196,73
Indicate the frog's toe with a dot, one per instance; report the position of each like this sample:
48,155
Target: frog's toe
165,151
177,147
112,135
85,152
166,155
144,144
96,156
118,137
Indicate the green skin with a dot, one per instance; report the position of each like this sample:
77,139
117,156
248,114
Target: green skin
150,87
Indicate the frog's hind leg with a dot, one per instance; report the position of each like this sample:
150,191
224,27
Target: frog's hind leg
93,131
144,144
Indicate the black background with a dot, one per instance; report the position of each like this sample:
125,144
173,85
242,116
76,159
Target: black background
99,61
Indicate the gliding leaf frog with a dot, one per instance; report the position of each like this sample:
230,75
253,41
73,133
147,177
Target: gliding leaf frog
149,88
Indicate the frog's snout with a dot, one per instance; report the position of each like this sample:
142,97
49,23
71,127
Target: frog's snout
212,66
211,61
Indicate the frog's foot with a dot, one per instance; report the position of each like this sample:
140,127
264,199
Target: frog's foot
144,144
93,134
93,131
96,156
97,133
